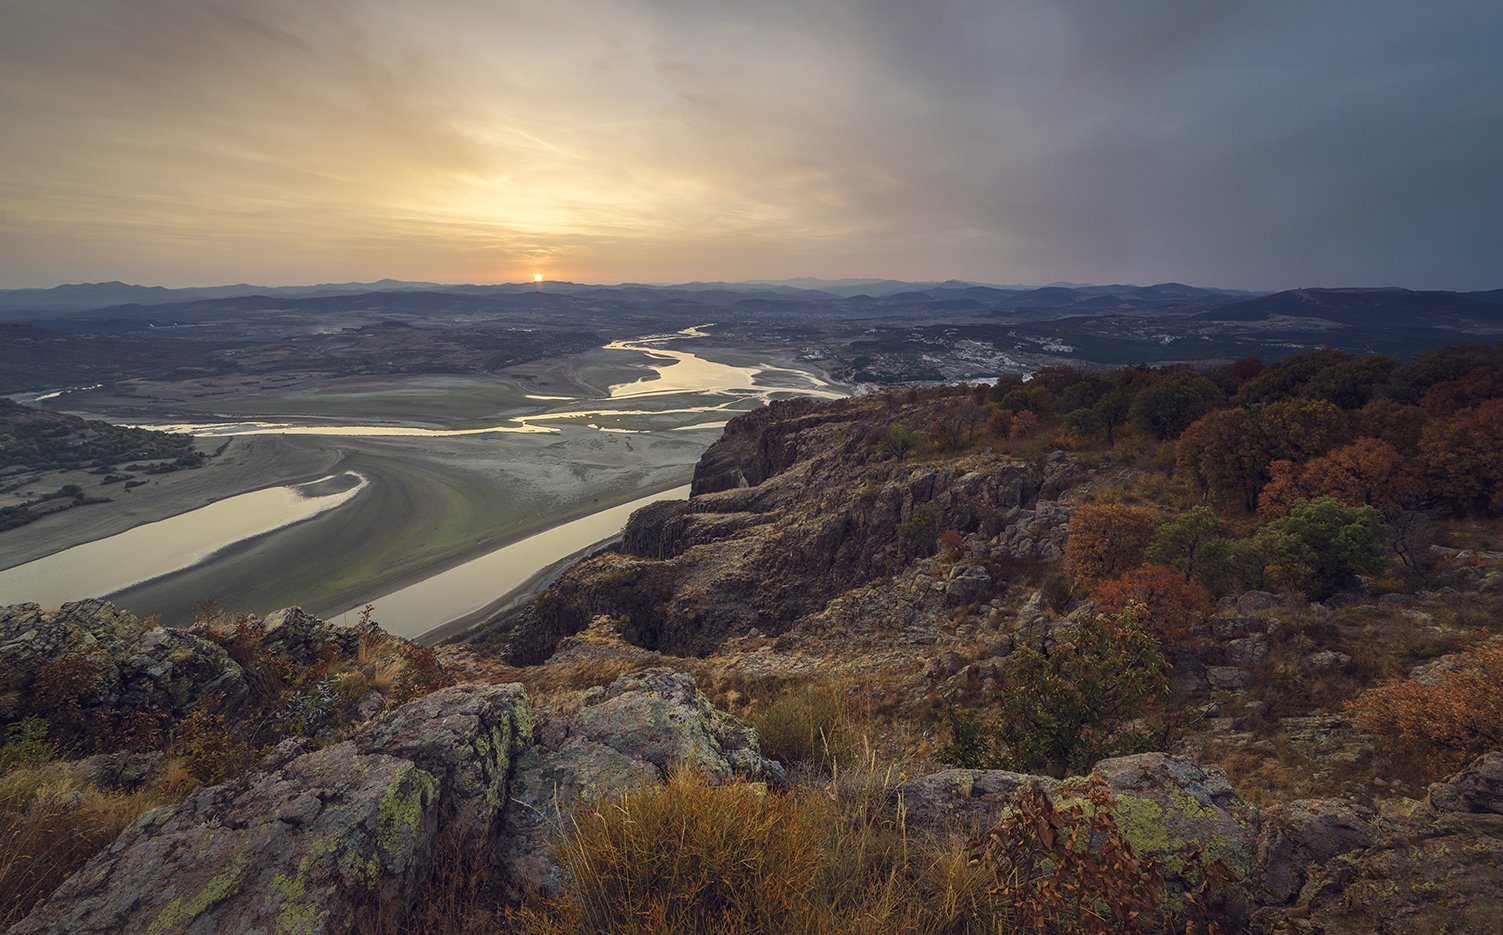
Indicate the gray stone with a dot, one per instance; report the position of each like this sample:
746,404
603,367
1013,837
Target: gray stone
311,839
1251,602
1247,650
1325,660
1228,678
1297,835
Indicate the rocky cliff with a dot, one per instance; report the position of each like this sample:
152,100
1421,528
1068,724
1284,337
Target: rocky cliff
794,506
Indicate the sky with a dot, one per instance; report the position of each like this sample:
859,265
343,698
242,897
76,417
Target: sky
1262,144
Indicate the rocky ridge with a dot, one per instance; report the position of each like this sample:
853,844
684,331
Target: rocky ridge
794,506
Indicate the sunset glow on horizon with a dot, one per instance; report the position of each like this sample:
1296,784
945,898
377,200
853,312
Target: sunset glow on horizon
190,142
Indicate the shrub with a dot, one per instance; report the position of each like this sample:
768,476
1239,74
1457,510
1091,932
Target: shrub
812,724
951,544
66,691
1107,539
970,745
689,857
1438,729
917,533
211,748
1060,712
1068,869
1172,609
26,744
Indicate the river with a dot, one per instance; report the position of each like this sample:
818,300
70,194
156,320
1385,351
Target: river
156,550
489,580
152,550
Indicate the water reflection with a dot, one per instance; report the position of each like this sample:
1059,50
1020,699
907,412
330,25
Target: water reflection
467,588
151,550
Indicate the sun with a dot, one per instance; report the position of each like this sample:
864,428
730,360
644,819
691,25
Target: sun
537,277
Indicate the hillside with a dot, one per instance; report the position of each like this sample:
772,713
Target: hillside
51,461
891,666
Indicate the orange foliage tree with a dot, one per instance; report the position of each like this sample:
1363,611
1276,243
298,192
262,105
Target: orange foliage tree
1106,539
1439,728
1368,472
1462,457
1173,608
1229,452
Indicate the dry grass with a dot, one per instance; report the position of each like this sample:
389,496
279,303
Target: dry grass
813,724
51,823
739,859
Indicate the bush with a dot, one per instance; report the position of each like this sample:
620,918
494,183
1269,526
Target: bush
690,857
1060,712
919,531
26,744
1435,730
812,724
1070,870
1106,539
1171,608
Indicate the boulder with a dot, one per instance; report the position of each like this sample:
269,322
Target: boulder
300,637
311,839
635,731
1247,650
1298,835
125,667
1228,678
1434,869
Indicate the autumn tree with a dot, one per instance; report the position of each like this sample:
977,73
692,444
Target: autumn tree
1439,727
1328,545
999,423
1368,472
1024,425
1229,452
1462,458
1107,539
1171,608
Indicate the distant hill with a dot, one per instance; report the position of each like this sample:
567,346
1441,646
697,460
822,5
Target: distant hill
1370,307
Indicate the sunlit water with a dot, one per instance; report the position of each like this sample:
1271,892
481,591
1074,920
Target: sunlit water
151,550
467,588
179,542
675,372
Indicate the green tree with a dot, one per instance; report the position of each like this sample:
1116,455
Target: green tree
1062,710
1165,408
1332,544
899,440
1193,544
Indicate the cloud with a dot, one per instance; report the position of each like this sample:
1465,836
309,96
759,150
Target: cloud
1264,144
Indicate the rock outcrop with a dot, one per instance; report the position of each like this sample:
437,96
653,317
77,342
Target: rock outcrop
313,838
1435,869
115,664
791,508
635,731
